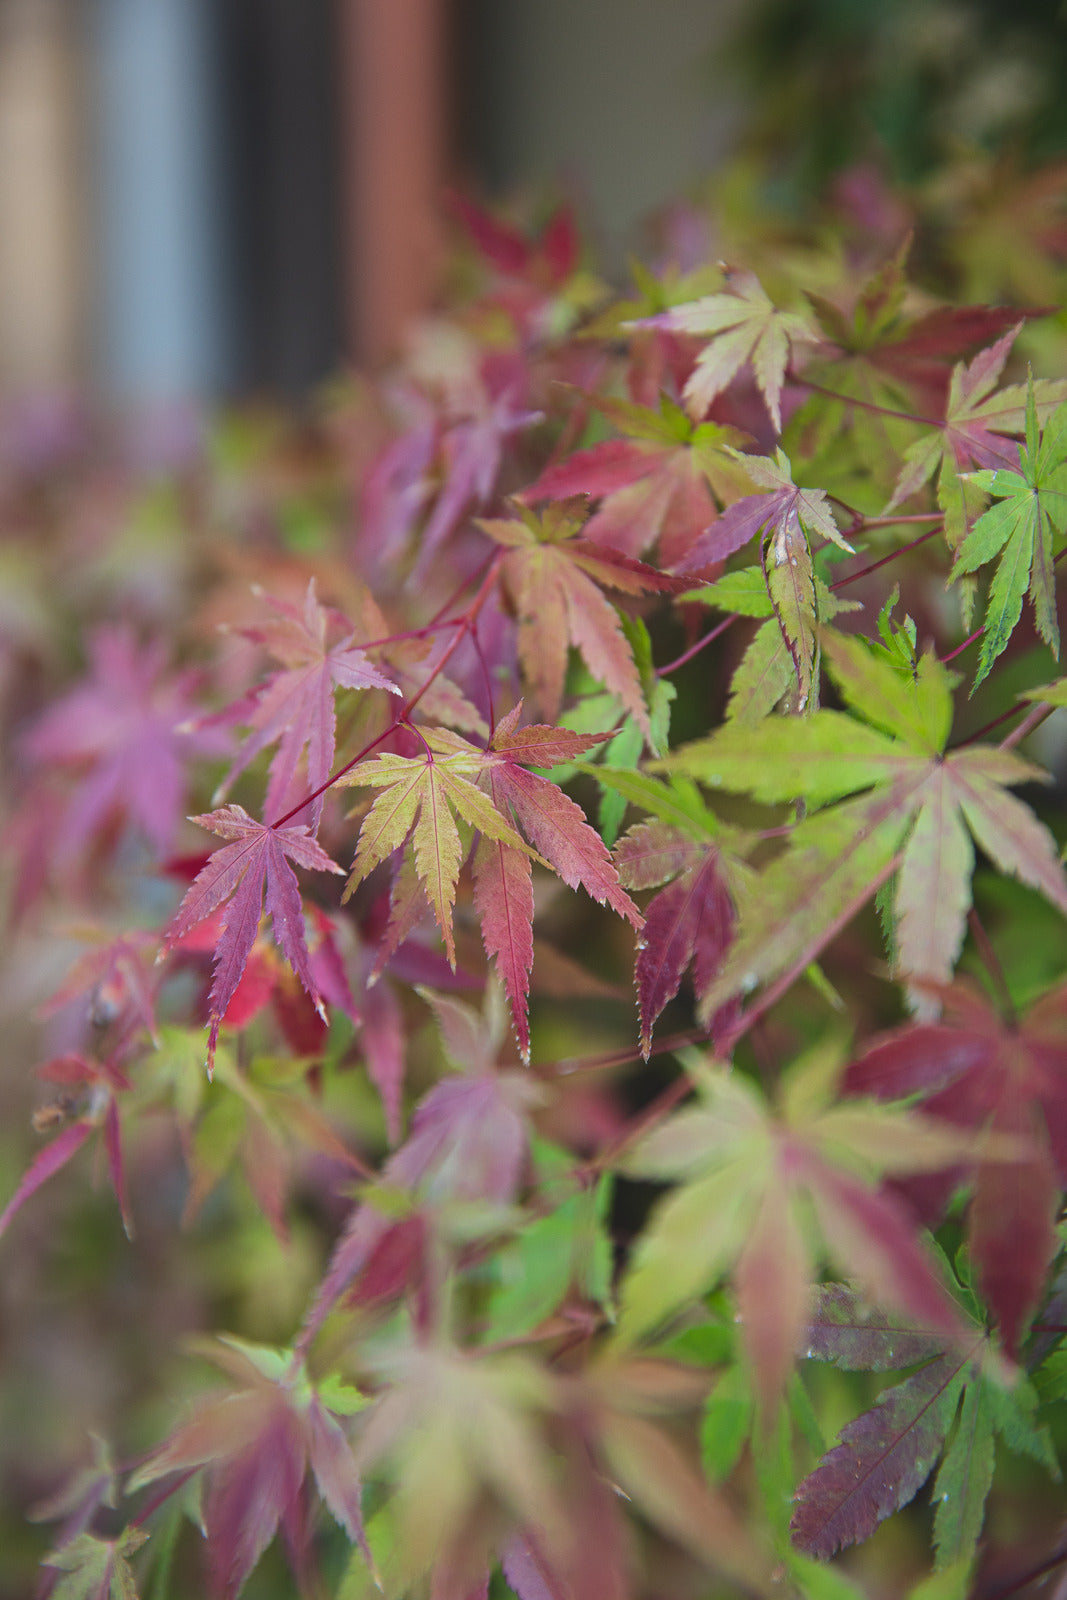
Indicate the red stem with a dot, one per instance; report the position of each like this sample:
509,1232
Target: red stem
854,577
695,649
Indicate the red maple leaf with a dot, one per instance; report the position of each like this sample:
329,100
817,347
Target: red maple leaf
654,484
691,921
259,1443
295,707
997,1077
553,577
241,872
556,826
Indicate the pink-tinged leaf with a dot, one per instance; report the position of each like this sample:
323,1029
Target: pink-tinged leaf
504,901
1008,830
853,1334
881,1462
771,1284
469,1138
258,1489
473,450
251,870
126,733
538,745
44,1165
650,853
295,707
692,920
334,1466
552,577
601,470
115,977
783,510
743,326
871,1237
503,246
383,1044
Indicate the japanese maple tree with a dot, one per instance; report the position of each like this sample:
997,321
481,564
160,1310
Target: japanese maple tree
644,1170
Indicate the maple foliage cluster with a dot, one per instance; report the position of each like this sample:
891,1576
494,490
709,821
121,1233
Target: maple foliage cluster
669,679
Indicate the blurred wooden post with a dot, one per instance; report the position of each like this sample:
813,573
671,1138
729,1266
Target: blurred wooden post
43,265
393,127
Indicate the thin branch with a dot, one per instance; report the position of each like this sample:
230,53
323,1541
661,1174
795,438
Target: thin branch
854,577
695,649
960,648
991,962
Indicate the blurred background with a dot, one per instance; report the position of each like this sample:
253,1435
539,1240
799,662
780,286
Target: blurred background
216,198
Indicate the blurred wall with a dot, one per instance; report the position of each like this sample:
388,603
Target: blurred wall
611,96
203,197
43,243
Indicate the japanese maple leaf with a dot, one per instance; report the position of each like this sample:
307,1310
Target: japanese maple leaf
469,1141
555,825
259,1442
295,707
126,732
975,1069
887,349
114,974
744,326
691,921
473,448
253,865
421,799
553,576
976,431
549,260
884,1456
95,1568
781,509
654,484
87,1092
920,810
780,660
749,1181
424,795
1019,531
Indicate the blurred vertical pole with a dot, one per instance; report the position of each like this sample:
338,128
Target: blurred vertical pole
393,116
160,250
42,254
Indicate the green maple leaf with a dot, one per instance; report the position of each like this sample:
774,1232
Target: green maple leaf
893,801
1019,530
753,1182
96,1569
421,798
768,669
